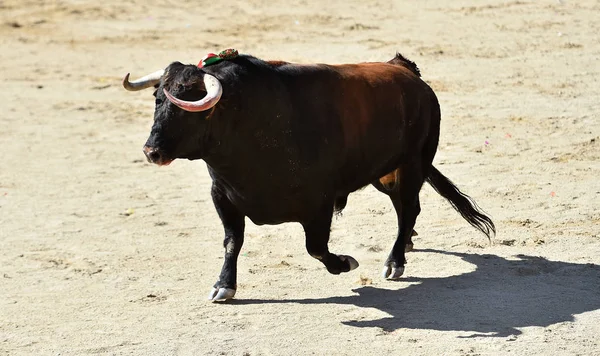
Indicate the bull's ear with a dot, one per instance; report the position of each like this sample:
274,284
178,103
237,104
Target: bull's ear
154,94
200,86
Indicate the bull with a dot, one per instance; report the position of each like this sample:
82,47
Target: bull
288,142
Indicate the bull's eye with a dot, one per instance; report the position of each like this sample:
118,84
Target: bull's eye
158,101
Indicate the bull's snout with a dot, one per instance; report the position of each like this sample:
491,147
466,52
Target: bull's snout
154,155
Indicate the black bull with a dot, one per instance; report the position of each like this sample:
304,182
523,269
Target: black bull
288,143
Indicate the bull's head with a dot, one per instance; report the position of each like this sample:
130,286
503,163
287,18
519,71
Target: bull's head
179,127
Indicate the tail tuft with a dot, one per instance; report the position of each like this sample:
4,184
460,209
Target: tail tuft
462,203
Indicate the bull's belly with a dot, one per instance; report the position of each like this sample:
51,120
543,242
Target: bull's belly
273,209
278,214
258,219
354,178
300,198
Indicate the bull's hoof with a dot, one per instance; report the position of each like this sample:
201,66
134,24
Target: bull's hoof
350,260
221,294
392,272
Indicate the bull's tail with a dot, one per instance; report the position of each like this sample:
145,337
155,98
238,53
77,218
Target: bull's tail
461,202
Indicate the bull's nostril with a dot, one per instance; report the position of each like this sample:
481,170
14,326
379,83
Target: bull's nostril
154,156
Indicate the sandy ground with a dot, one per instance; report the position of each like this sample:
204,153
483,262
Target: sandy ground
103,253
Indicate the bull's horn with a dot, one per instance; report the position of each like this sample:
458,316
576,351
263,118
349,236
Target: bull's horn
144,82
213,94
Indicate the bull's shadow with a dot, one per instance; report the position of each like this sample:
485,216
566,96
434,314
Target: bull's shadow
498,297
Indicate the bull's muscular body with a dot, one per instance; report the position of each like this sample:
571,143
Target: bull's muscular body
288,143
301,138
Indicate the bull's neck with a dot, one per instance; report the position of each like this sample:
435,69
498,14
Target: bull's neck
223,150
228,166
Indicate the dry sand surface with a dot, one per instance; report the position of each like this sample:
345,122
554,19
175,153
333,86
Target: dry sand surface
104,253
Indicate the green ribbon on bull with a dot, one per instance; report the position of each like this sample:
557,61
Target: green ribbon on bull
212,58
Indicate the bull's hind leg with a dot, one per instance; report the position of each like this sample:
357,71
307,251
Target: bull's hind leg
405,198
387,184
233,223
317,232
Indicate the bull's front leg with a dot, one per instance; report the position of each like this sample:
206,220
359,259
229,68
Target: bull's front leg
233,223
317,232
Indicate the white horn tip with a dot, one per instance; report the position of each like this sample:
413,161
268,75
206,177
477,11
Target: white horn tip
125,81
